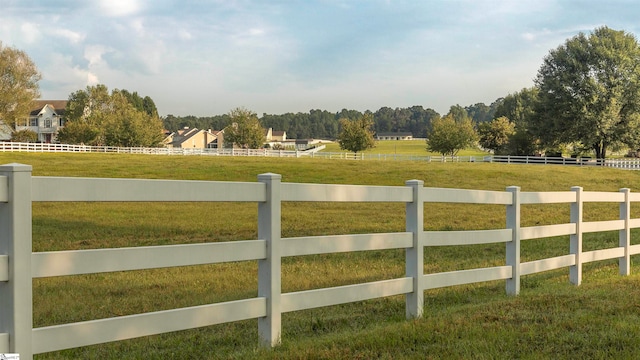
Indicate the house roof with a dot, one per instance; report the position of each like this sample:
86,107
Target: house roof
183,135
58,106
277,133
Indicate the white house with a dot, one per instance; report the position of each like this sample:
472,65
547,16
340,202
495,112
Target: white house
45,119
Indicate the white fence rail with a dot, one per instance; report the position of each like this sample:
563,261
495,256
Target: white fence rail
43,147
19,265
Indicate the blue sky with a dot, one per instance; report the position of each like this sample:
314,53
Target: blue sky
207,57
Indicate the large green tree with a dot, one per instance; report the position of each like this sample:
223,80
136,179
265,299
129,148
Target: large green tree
589,92
519,108
19,78
449,136
495,134
96,117
245,130
128,126
356,134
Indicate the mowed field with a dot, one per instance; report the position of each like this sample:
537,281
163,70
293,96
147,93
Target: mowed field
404,147
550,319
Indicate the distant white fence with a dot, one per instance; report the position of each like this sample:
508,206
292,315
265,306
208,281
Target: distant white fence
19,265
315,152
66,148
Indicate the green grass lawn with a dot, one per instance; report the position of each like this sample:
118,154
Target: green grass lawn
550,319
404,147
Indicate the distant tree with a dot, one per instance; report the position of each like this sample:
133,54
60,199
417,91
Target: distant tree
348,114
480,112
383,120
522,142
145,104
519,108
149,107
357,135
24,136
325,125
421,120
18,85
415,120
494,107
174,123
495,134
244,130
127,126
458,113
590,92
89,104
78,132
449,136
95,117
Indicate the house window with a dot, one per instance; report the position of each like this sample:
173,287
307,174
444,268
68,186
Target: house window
47,122
33,122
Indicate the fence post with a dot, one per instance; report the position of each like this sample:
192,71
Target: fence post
513,246
16,313
575,240
625,234
269,269
414,256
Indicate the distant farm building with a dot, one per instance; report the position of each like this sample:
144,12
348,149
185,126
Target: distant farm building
394,136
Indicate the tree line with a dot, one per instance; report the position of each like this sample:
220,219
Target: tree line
323,124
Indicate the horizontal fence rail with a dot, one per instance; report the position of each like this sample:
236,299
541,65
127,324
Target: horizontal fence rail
315,152
19,265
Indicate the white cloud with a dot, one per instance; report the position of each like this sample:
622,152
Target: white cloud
94,53
119,8
61,75
152,55
256,32
72,36
92,79
30,32
184,35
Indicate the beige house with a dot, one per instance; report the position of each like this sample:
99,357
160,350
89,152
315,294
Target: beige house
278,136
195,139
275,136
45,119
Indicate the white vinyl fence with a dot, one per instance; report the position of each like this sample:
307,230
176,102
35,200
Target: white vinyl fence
19,265
315,152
